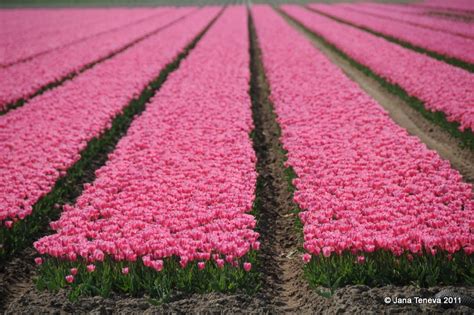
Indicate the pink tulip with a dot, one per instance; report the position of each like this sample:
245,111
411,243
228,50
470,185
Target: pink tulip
201,265
38,261
73,271
256,246
70,278
326,251
247,266
125,270
90,268
360,259
9,224
306,258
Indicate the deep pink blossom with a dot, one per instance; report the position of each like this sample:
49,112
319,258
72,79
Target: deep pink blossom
73,271
125,270
461,5
80,26
413,15
91,268
38,261
220,263
70,278
306,257
23,79
201,265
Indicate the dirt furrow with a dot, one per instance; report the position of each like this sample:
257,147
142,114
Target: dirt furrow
282,267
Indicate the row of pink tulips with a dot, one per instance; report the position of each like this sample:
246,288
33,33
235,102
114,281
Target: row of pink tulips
364,184
436,41
435,23
42,19
461,5
182,179
42,139
22,80
440,86
17,46
411,9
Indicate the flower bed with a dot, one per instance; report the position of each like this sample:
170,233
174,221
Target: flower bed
172,202
18,46
378,206
415,17
441,87
24,79
436,41
43,139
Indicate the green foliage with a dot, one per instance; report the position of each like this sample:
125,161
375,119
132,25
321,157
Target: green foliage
140,280
383,267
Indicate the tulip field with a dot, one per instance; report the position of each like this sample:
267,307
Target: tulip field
236,157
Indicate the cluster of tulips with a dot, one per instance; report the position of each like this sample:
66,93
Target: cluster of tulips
414,15
364,184
43,138
182,181
45,37
24,79
459,6
440,86
450,45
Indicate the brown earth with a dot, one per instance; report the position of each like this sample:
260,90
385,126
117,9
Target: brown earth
283,287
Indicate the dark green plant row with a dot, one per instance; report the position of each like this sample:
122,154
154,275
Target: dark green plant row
135,279
384,268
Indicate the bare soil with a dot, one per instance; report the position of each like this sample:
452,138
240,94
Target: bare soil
283,281
284,289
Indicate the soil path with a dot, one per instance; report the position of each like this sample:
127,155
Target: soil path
282,267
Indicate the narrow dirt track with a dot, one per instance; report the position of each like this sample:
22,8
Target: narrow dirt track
282,267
